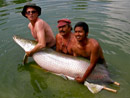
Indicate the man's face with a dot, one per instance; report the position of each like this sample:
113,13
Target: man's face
79,33
64,30
31,13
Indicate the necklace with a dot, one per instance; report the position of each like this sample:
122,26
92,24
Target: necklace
64,47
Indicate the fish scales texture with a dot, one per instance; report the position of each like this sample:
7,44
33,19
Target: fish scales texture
26,44
72,66
60,63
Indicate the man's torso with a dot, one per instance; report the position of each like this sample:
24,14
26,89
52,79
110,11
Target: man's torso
49,36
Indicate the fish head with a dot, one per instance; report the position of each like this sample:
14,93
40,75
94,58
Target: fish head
26,44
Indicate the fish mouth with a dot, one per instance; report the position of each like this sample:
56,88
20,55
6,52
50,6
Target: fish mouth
14,37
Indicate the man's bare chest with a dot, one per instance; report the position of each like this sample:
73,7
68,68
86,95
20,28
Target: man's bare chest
33,32
83,52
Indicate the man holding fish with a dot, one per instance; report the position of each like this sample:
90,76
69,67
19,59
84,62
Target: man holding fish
76,44
83,46
40,30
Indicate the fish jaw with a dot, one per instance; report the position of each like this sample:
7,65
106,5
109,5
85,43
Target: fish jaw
27,45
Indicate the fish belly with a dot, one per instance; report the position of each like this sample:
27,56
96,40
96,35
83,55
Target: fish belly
70,66
59,64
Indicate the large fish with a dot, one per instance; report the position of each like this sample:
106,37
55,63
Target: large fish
63,64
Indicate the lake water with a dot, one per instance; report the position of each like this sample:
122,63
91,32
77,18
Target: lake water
109,23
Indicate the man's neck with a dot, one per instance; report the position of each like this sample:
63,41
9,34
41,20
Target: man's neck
67,35
33,22
83,42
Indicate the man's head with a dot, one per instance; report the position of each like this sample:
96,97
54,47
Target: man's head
31,5
64,26
81,30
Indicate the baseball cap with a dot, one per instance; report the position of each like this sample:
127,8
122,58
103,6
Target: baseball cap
63,22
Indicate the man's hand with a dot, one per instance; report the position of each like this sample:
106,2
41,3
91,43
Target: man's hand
28,53
79,79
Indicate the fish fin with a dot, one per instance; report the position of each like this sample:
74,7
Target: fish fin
70,78
38,67
94,88
25,59
65,77
62,75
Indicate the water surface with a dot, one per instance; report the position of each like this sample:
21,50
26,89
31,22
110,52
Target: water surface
109,23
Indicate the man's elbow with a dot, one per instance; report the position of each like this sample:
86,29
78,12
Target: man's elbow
41,46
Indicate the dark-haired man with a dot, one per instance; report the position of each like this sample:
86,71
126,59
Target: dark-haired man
86,47
40,30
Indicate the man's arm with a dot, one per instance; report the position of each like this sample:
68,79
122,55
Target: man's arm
41,39
58,43
93,60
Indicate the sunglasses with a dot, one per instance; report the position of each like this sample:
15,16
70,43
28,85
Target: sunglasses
29,12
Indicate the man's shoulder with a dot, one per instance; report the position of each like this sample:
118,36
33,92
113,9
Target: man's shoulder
72,34
72,38
29,24
40,21
58,36
94,43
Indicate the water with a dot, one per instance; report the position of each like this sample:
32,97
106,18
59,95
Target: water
109,23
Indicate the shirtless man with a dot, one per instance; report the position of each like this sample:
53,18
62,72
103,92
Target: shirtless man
86,47
63,38
40,30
